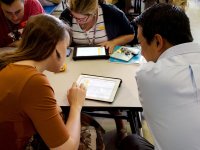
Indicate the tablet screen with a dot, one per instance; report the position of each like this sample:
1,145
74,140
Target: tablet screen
90,51
100,88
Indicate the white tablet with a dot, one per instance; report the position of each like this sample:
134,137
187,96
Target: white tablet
100,88
81,53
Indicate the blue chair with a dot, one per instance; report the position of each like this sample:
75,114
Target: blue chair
50,9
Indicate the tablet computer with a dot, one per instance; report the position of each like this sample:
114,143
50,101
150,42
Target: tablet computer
100,88
81,53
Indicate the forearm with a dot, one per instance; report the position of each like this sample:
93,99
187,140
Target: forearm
124,39
73,124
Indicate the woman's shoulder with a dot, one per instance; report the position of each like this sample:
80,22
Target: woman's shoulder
25,72
66,16
109,8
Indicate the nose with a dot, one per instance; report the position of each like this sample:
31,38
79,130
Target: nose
14,17
79,21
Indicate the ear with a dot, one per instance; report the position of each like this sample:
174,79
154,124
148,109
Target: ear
58,55
159,41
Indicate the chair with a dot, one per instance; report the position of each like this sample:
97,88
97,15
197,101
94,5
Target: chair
51,9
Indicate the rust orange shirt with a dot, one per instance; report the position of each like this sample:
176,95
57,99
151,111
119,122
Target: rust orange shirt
28,105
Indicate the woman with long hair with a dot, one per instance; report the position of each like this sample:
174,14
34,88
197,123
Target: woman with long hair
27,100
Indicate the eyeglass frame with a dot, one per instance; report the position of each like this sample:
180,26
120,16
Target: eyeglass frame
85,19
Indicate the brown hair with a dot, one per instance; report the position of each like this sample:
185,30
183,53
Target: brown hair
39,40
9,2
85,7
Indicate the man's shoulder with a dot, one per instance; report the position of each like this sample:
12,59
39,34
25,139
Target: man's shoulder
31,2
156,71
32,7
2,16
4,30
146,67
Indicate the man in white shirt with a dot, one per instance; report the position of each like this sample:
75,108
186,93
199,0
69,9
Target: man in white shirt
169,83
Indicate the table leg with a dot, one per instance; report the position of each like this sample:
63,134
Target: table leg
134,120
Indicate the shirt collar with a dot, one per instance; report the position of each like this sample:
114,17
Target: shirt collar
181,49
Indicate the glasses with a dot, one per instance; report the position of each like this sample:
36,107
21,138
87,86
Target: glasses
83,19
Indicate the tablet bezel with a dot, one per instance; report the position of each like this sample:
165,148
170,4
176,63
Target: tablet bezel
75,57
117,81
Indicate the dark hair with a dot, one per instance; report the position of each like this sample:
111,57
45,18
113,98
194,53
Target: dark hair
39,39
8,2
169,21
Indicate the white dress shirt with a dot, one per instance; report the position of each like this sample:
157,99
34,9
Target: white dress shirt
169,92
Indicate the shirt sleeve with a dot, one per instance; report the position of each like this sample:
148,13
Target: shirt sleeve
121,20
116,22
32,7
40,106
125,25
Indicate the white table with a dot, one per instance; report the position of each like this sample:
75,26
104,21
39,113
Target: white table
127,95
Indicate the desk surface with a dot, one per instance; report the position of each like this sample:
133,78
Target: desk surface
127,95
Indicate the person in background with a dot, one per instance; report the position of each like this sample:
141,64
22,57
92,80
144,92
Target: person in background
96,23
169,82
13,17
27,100
181,3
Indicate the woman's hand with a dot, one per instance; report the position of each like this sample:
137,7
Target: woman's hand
121,40
76,95
110,45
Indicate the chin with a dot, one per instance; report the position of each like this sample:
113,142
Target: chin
16,22
55,70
